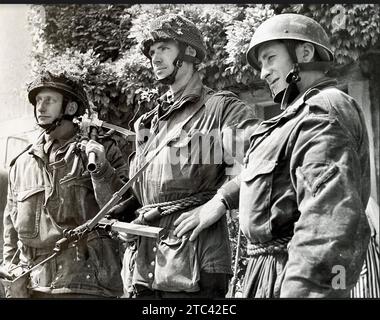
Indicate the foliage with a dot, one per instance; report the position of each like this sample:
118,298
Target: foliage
239,34
100,44
353,28
103,28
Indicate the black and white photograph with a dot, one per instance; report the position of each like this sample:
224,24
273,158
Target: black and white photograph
185,151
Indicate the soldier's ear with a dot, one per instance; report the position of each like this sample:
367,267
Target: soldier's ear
71,108
305,52
190,51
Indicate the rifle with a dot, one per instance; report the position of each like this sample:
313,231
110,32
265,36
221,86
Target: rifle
16,288
79,232
85,123
108,224
87,126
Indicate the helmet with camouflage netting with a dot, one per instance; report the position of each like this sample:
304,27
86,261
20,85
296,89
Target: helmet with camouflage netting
175,27
71,89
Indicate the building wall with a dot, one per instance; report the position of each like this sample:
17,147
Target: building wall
16,116
370,65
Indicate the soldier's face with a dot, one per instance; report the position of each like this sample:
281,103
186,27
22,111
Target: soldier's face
275,63
48,106
163,54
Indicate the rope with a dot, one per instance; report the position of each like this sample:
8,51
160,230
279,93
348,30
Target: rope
271,247
171,207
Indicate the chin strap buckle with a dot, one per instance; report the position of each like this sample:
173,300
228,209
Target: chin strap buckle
293,76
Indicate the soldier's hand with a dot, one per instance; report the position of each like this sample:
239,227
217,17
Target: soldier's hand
4,274
199,219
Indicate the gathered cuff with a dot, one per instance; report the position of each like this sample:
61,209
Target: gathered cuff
230,193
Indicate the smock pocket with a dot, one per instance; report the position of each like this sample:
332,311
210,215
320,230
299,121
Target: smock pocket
177,267
257,183
255,196
79,201
29,207
104,257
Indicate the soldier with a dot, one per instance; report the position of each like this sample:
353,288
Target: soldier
48,193
182,178
305,185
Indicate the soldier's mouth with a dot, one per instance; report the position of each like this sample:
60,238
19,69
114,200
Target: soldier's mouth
273,82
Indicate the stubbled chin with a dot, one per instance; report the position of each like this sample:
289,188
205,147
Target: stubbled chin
160,73
276,91
273,92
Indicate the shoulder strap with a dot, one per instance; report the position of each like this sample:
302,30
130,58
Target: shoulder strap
225,93
15,158
219,96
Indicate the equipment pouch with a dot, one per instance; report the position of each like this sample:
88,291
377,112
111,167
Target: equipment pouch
16,289
176,265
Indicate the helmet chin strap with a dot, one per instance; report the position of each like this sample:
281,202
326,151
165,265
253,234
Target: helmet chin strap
287,95
178,61
55,124
51,126
169,80
290,92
